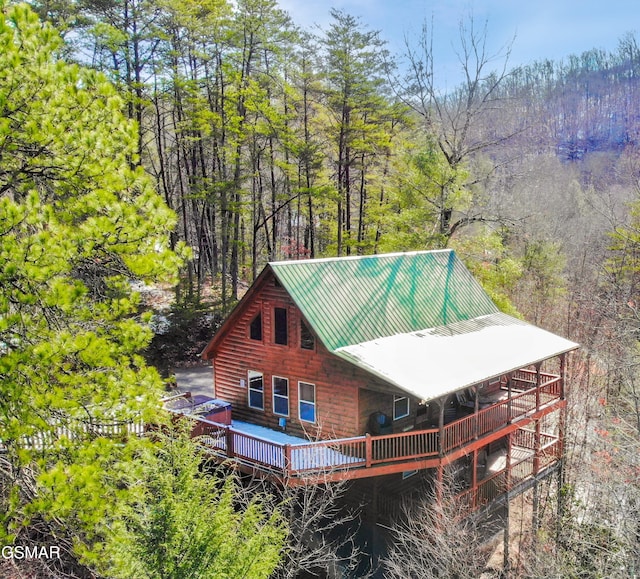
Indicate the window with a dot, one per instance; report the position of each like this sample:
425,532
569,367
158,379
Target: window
307,402
400,407
280,326
280,396
307,340
256,390
255,328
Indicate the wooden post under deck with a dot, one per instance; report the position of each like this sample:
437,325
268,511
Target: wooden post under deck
441,429
507,522
561,451
506,541
536,448
474,478
535,511
507,472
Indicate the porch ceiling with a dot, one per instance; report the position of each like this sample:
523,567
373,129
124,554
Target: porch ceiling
434,362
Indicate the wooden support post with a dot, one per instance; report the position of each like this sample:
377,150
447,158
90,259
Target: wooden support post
535,510
476,409
507,522
375,502
439,485
229,439
561,503
536,449
507,474
563,375
368,450
474,478
506,564
441,428
509,410
538,383
562,420
287,459
561,481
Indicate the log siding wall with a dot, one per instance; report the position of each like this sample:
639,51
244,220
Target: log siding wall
338,384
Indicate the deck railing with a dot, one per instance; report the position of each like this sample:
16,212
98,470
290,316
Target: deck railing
404,446
518,470
367,451
526,379
321,455
62,426
288,458
498,415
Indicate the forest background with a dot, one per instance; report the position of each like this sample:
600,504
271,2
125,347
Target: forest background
270,142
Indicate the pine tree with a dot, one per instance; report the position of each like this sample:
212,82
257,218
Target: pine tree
79,222
354,68
187,522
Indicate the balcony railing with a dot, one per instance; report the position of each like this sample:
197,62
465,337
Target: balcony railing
316,457
61,426
519,469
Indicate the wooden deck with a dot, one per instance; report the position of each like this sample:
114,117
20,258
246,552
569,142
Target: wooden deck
62,426
366,456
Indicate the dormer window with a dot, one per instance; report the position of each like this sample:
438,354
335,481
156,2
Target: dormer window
307,339
255,328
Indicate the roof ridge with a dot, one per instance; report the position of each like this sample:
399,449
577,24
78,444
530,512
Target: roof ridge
358,257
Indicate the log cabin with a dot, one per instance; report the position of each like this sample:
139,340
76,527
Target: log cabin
378,368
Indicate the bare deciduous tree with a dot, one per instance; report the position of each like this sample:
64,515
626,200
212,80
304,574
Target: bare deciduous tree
437,538
323,530
460,120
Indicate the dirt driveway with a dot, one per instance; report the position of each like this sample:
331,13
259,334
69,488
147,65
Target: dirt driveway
197,380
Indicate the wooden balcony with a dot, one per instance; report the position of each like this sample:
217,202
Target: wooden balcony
528,459
253,449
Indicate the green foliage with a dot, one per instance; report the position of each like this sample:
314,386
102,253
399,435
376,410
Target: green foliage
542,283
624,262
492,265
428,194
359,126
78,222
185,522
543,262
184,333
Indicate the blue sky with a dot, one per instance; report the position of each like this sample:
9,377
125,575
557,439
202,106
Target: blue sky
542,29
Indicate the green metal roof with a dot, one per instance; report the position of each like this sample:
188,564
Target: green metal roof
350,300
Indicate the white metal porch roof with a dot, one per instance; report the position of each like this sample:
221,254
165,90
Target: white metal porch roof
434,362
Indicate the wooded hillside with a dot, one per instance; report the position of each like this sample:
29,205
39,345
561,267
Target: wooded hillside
270,142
